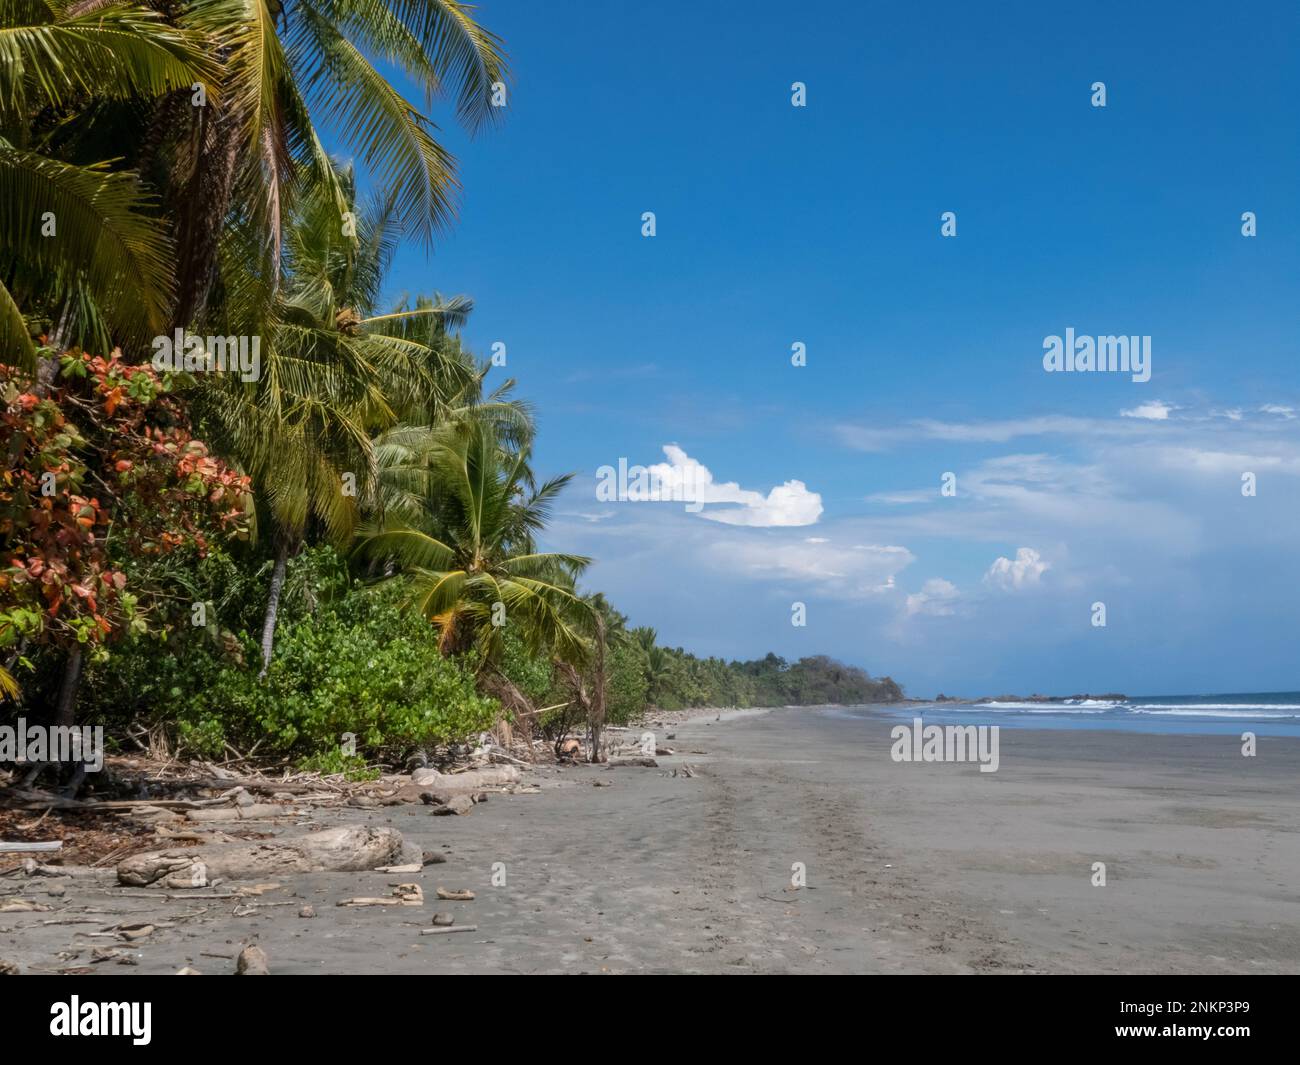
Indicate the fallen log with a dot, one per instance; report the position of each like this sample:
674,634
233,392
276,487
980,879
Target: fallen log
648,763
30,848
470,780
336,850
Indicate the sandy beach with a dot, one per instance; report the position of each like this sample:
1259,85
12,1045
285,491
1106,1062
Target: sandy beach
910,868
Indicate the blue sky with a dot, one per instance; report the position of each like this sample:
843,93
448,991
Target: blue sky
821,224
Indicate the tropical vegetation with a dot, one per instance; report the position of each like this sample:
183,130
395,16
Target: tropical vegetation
342,537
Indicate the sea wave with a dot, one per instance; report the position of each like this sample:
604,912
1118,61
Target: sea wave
1281,710
1259,710
1216,706
1037,708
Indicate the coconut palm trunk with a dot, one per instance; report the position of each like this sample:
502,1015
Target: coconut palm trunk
597,720
273,605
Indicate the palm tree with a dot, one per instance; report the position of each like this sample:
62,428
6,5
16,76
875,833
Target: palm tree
461,521
332,375
657,664
288,64
82,246
215,103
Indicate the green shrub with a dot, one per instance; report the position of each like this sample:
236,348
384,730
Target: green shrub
360,664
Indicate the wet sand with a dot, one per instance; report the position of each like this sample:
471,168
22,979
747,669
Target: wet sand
910,867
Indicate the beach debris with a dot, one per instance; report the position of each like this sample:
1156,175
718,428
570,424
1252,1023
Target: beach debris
470,780
256,889
602,783
336,850
307,911
414,867
445,805
455,896
30,848
187,970
256,812
106,954
403,895
56,891
192,835
446,931
8,968
31,867
23,906
647,763
252,961
442,919
132,932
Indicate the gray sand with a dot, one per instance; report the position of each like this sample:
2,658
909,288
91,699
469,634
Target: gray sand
910,867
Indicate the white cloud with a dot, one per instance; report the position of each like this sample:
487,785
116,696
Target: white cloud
937,598
863,438
688,480
1155,410
839,572
1024,572
1281,412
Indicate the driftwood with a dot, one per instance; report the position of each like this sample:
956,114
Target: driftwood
337,850
448,930
30,848
31,867
403,895
648,763
470,780
255,812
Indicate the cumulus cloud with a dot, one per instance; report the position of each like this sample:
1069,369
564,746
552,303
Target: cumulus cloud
1024,572
1155,410
688,480
937,598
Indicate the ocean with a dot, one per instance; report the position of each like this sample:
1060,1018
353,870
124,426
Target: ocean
1264,713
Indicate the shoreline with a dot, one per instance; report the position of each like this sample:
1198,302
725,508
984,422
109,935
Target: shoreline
910,868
